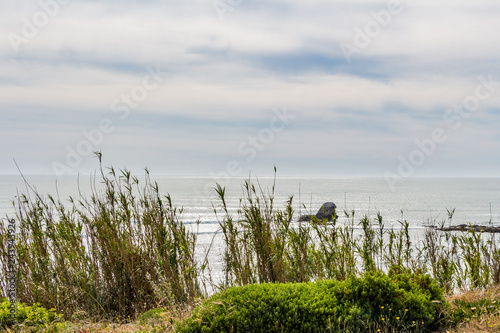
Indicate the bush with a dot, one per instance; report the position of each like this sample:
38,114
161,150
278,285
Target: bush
374,301
29,315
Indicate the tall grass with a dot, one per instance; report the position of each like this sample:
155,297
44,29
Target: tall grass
256,248
264,244
118,253
125,250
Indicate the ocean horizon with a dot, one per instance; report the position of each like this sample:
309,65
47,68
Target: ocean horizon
420,201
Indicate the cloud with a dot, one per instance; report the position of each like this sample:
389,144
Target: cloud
226,76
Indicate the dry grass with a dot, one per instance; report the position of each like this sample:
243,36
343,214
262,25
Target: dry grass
488,322
476,295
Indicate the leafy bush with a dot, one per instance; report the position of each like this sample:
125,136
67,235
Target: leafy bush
29,315
153,314
374,301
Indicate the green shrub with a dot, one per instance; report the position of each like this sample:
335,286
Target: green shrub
374,301
29,315
153,314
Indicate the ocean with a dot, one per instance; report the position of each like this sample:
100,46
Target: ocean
420,201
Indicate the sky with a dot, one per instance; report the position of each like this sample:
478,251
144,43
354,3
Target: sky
391,89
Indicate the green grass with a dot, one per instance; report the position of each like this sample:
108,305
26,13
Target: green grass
137,254
264,244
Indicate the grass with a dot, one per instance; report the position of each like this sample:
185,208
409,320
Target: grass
163,320
138,255
264,244
475,311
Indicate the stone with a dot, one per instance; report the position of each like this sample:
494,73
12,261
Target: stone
326,212
470,227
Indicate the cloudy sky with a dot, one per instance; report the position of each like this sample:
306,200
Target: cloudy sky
331,88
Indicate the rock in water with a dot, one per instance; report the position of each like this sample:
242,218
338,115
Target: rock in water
327,211
470,227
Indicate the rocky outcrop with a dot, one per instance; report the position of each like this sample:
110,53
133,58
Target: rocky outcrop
326,212
469,227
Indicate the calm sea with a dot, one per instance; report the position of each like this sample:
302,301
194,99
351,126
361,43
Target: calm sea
418,201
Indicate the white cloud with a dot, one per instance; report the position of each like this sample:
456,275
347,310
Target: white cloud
262,56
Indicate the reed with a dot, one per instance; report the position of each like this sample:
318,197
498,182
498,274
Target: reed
264,244
117,253
257,246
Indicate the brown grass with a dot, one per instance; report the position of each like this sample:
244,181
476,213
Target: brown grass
489,323
485,323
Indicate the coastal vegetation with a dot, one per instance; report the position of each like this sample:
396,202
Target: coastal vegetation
371,303
124,258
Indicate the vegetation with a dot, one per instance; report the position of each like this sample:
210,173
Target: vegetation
264,244
135,253
375,302
124,251
34,316
473,311
37,319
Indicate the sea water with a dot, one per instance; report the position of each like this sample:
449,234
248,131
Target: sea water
419,201
416,200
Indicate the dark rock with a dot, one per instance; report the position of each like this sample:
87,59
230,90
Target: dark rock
475,227
326,212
